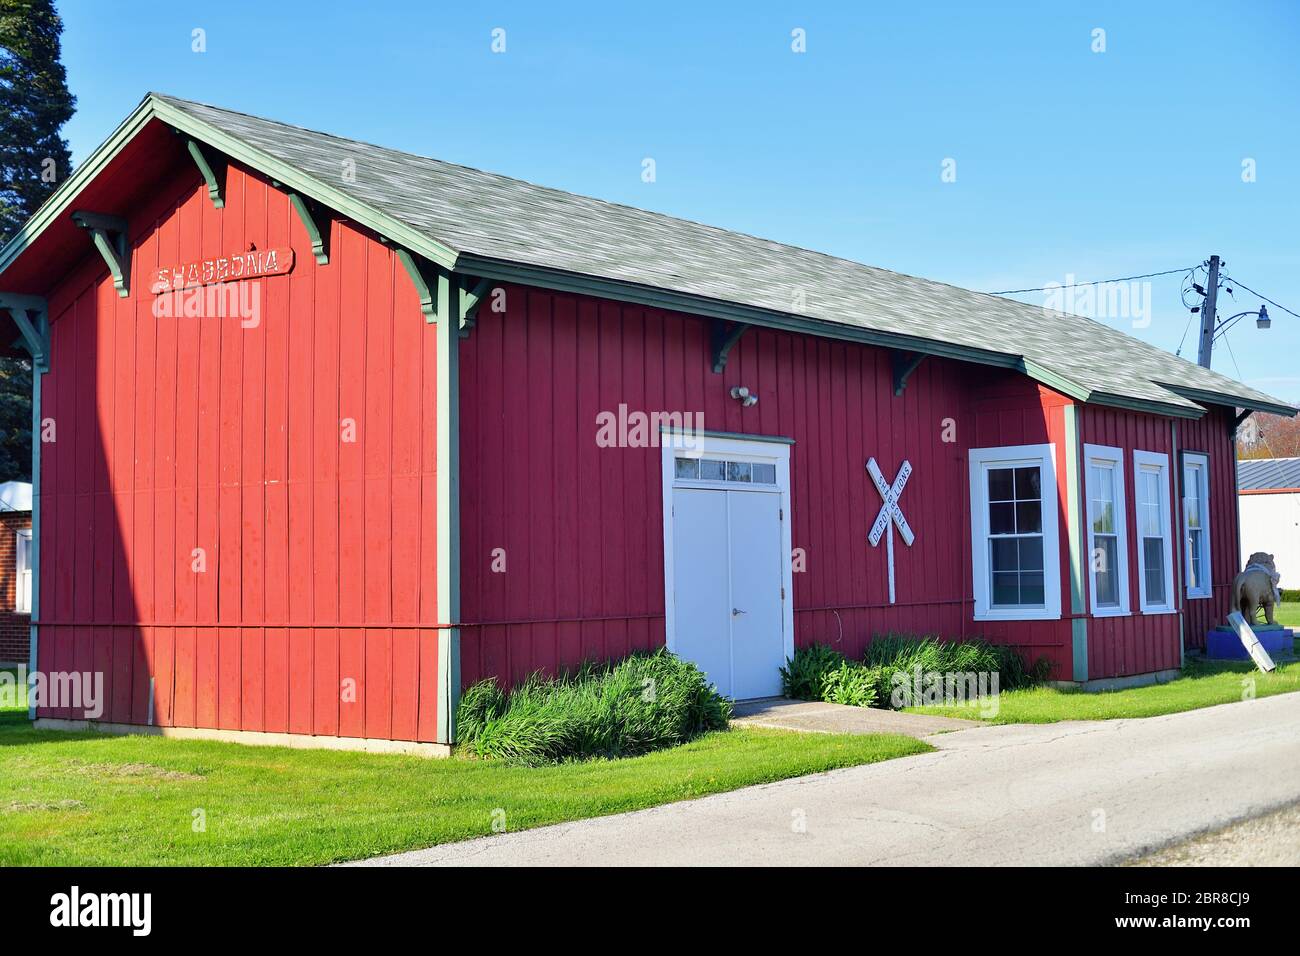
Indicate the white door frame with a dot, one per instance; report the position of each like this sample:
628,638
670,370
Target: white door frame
757,448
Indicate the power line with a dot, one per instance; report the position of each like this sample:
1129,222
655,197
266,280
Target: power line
1242,285
1149,275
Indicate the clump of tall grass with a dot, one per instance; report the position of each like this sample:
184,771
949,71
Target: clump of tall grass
642,703
804,676
818,672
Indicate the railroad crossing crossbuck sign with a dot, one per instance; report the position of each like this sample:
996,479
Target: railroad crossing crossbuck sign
890,514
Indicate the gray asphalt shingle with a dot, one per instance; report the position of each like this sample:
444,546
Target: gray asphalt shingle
488,215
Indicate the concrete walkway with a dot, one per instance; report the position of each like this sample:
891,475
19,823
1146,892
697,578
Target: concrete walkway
1071,793
820,718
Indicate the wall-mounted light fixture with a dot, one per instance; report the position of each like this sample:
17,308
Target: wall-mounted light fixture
742,395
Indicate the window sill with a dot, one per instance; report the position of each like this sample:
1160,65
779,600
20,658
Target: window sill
1016,614
1111,612
1157,611
1199,597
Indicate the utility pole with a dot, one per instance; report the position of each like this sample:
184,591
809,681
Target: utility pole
1207,314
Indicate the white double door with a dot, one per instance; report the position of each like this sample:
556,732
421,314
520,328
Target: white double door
729,584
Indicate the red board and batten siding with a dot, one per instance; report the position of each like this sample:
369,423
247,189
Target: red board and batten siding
1142,643
580,527
183,433
1212,435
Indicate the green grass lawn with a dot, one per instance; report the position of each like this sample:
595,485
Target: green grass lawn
1288,614
88,799
1202,684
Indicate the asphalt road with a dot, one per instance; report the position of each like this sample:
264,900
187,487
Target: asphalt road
1072,793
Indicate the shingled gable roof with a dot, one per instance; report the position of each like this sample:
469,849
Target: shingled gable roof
488,225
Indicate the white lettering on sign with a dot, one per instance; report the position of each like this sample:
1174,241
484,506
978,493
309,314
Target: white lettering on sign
239,265
891,515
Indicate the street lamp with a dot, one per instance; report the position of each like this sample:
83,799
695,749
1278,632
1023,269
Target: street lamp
1262,321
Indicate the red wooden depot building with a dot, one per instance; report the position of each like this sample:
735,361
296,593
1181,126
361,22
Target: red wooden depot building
331,431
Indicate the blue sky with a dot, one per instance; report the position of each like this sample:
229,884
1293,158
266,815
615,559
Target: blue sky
1068,162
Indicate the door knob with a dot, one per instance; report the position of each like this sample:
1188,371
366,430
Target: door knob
735,611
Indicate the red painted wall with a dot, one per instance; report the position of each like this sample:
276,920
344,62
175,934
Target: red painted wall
1211,435
581,527
183,433
1140,643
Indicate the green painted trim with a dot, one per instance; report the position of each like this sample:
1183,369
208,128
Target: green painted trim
30,303
1232,401
62,198
1150,408
1075,538
114,250
1079,644
33,635
205,169
738,436
470,300
1053,380
37,345
319,240
723,340
579,284
298,181
1179,535
448,503
154,108
421,283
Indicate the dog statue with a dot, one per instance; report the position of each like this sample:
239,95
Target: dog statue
1255,587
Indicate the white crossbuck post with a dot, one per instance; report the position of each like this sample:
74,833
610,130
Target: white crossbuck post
890,514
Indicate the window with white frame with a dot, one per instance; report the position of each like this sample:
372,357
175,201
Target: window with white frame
1154,544
1107,529
1015,547
1196,523
23,585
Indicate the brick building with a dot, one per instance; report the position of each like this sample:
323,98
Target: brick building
15,574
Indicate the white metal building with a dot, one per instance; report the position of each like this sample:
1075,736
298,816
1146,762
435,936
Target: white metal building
1269,490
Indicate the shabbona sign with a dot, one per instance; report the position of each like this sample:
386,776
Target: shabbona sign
253,264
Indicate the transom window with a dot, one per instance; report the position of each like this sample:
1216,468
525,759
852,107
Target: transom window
1196,523
1151,480
1107,533
1016,560
716,469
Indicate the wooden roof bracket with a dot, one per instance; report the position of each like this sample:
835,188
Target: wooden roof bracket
1241,417
426,277
724,338
30,315
109,235
905,364
470,301
316,220
215,184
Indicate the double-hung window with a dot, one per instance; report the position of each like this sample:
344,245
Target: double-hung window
1196,523
1107,529
1154,544
1015,549
23,586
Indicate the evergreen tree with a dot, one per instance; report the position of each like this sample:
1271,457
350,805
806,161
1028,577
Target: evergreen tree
34,159
34,105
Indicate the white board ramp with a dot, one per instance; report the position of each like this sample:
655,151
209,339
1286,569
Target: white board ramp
1251,642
